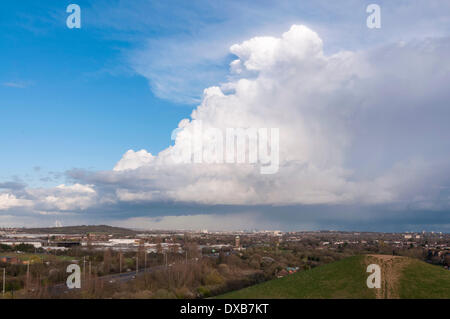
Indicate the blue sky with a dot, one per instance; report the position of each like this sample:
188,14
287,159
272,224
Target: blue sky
74,101
63,104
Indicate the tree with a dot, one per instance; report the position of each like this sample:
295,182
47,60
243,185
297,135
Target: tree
107,261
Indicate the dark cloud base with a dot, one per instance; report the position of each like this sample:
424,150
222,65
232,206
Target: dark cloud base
382,218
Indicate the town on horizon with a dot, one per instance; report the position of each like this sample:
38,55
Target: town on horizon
120,259
58,226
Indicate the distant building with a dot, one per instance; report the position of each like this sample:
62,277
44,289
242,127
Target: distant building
237,242
67,244
9,260
124,241
292,270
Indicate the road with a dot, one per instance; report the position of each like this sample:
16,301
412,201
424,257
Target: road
114,278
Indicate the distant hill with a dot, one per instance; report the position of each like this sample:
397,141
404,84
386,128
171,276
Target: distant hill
401,277
99,229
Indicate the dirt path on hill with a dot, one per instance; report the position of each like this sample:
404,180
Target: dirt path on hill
391,270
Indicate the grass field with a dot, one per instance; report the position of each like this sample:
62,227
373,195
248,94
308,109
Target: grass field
401,278
341,279
421,280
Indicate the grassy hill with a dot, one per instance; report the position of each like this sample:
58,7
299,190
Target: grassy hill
401,278
421,280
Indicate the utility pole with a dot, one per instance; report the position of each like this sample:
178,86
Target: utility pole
90,272
137,264
28,274
120,262
145,260
186,257
4,280
84,269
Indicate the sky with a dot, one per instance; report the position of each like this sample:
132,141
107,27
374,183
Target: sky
87,115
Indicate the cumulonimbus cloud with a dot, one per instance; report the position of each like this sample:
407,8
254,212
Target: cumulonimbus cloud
323,106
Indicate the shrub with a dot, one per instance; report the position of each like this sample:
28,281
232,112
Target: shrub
164,294
213,278
203,292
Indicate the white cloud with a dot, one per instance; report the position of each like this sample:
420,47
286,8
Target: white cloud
64,197
133,160
321,103
8,201
188,55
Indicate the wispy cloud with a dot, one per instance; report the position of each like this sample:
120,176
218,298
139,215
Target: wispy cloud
184,48
17,85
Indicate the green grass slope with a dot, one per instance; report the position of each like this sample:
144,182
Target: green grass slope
401,278
421,280
342,279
